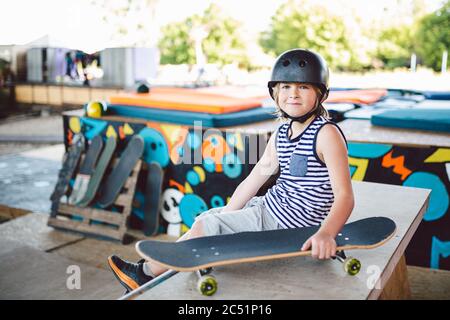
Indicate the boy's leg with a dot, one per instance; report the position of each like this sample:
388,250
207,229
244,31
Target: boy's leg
152,268
253,217
132,275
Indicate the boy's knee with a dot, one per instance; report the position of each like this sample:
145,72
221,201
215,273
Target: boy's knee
197,228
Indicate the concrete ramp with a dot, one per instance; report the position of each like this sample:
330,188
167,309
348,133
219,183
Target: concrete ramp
28,273
32,230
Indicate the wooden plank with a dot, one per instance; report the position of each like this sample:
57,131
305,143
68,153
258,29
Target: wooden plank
130,193
91,229
75,96
129,183
123,200
8,213
101,94
92,213
40,94
55,96
24,93
397,288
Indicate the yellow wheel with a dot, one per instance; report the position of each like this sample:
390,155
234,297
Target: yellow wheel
207,285
95,109
352,266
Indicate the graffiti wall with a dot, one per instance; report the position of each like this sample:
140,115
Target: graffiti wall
202,166
413,167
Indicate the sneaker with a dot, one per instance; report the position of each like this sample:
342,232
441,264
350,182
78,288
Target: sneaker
130,275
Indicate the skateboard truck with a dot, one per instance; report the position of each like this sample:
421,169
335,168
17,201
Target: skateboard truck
351,265
206,284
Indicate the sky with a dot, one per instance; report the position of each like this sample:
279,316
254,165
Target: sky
30,19
75,25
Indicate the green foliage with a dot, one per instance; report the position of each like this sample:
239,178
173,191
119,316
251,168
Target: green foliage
222,44
301,23
433,36
297,24
129,22
395,46
175,45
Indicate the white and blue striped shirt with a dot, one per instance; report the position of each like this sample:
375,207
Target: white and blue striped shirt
302,195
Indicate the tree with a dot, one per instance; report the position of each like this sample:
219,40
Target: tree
395,46
301,24
130,23
221,44
396,34
433,36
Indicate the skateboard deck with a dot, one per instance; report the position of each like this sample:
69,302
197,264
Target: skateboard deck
86,170
201,254
120,173
70,162
206,252
99,171
153,191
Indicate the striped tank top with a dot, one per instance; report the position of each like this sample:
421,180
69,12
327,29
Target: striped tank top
302,195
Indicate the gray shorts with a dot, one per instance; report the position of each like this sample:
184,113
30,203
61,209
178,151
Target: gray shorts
252,217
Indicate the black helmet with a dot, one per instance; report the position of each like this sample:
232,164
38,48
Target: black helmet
300,65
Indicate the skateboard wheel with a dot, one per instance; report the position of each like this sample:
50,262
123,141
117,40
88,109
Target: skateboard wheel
207,285
352,266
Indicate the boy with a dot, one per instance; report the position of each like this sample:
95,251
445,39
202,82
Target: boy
314,186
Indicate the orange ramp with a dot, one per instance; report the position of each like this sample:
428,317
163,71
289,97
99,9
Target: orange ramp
363,96
186,100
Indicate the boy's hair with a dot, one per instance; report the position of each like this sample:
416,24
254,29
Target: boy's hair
320,109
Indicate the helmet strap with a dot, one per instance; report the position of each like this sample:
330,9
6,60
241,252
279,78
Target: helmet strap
301,119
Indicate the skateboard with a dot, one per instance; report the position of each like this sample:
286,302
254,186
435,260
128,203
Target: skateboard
99,171
70,163
153,189
120,173
86,170
201,254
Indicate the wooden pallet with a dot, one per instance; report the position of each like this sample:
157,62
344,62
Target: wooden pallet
98,222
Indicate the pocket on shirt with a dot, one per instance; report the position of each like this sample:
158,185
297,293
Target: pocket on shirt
298,166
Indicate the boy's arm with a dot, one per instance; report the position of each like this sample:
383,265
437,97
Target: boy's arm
333,151
264,168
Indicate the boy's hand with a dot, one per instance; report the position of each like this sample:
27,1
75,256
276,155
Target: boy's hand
323,245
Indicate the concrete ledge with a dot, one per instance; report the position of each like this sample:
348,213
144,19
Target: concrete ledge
32,139
28,273
32,230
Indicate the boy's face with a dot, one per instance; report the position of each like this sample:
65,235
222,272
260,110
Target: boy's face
297,99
